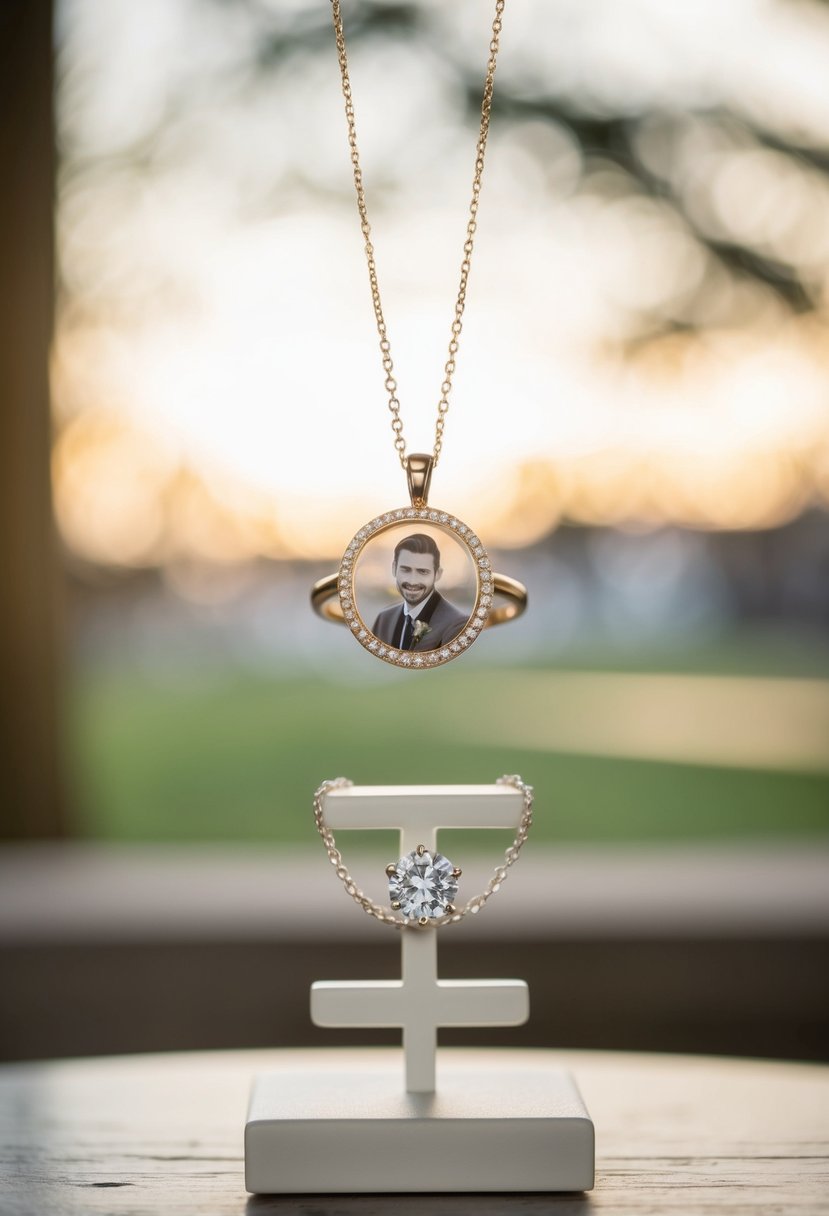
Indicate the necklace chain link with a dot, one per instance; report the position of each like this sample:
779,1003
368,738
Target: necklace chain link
471,226
471,907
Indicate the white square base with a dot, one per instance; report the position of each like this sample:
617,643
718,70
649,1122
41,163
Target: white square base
332,1121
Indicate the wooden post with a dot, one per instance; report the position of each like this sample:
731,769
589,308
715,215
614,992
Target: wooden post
30,788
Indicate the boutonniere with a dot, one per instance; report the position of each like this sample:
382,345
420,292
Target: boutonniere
420,629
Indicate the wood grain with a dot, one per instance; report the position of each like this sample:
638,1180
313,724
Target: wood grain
150,1134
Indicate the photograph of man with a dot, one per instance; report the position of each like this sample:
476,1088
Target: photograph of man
425,620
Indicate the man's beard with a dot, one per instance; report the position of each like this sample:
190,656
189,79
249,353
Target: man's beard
414,594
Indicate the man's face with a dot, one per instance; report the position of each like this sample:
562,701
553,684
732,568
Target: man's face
416,575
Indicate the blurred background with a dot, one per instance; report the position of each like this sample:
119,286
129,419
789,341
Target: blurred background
639,431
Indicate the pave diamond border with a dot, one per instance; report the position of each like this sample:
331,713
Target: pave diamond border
421,660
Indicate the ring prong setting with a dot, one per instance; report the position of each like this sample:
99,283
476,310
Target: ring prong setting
422,886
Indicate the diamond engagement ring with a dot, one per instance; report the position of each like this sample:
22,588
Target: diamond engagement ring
423,884
445,602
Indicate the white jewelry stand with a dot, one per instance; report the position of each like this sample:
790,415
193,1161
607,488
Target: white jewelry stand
331,1127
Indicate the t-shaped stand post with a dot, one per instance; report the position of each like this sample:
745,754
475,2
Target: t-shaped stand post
338,1121
420,1002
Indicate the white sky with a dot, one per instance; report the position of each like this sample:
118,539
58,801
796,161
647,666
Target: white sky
219,294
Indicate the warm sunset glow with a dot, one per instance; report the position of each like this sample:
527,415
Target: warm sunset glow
218,392
734,722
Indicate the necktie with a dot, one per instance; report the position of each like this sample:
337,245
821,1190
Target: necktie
408,631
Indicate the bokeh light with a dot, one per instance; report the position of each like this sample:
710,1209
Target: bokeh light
646,331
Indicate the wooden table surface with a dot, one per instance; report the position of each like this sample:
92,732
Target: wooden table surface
163,1133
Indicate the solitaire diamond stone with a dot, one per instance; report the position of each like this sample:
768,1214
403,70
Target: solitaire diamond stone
424,884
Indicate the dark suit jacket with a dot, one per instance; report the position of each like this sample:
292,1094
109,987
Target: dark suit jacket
445,622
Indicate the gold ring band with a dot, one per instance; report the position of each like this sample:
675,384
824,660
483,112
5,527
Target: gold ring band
325,602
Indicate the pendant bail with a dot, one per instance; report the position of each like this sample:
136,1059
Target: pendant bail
419,474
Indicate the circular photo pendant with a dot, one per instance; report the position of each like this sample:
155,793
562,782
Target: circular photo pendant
415,587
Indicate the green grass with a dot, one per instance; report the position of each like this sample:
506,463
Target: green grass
226,754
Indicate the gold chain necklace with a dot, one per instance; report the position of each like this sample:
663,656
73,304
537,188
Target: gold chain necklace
447,913
424,626
471,226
